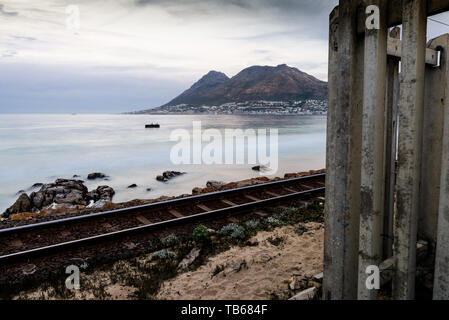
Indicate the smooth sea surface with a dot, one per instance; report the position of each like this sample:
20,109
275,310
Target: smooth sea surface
42,148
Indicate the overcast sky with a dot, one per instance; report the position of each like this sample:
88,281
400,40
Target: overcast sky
136,54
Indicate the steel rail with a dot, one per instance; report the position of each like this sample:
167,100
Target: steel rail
161,204
157,225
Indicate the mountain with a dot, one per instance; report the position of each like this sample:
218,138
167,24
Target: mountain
201,89
281,83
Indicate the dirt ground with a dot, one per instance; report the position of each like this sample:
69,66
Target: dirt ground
263,270
256,272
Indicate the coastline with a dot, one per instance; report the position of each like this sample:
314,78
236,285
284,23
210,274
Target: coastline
49,214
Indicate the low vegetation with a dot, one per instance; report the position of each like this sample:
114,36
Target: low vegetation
146,273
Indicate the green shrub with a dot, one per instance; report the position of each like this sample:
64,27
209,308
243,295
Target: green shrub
201,234
274,221
233,230
252,224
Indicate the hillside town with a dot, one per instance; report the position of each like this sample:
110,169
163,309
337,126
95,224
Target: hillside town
261,107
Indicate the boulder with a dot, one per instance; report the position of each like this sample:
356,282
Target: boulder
96,175
214,184
101,193
167,175
38,199
106,192
259,168
62,192
75,197
239,265
22,204
132,186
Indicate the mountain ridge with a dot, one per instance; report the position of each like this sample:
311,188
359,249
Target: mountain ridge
268,83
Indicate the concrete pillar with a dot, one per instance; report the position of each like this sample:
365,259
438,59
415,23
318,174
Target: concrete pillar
414,23
330,151
391,114
441,278
344,141
373,151
434,103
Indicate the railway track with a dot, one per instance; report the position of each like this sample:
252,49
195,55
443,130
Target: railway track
25,242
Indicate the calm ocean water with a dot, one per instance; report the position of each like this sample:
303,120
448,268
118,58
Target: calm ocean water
42,148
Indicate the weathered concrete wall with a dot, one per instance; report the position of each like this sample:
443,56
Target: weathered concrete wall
374,212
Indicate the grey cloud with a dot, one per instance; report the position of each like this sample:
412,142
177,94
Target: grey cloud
296,16
312,7
7,13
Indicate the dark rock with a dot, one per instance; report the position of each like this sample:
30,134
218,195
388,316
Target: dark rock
300,230
167,175
38,199
197,190
237,266
93,196
75,197
23,204
62,192
20,192
96,175
214,184
76,176
149,189
259,168
106,192
37,185
132,186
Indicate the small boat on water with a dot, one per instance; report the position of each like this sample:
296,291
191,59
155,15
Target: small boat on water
153,125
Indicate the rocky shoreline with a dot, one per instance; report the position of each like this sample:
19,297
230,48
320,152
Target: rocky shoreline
63,193
66,198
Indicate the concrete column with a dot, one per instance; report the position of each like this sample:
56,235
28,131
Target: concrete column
343,181
330,152
414,18
373,151
441,278
433,122
391,113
